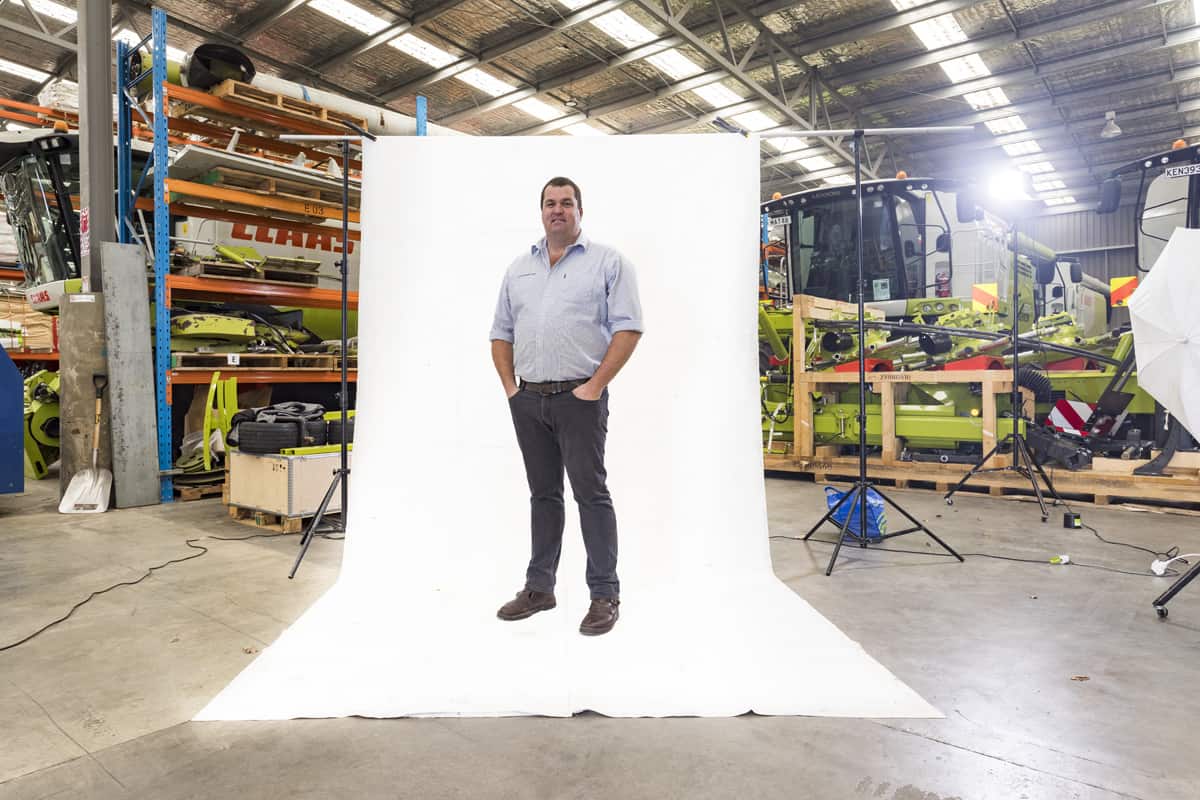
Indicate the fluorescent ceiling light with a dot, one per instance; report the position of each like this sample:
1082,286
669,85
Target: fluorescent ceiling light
1059,201
422,50
624,28
675,64
814,163
1037,168
485,82
1022,148
839,180
536,108
787,144
904,5
960,70
1048,186
574,4
130,38
583,129
755,121
939,32
988,98
717,95
48,8
1013,124
22,71
350,14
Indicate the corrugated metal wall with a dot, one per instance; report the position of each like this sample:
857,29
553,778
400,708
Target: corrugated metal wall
1103,243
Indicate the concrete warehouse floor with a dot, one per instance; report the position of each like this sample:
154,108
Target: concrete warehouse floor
98,707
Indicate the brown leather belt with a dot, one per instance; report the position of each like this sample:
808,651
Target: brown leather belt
552,387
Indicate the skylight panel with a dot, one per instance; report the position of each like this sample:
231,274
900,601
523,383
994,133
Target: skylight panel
966,68
536,108
350,14
988,98
1048,186
787,144
1059,201
939,32
624,28
484,82
583,129
22,71
815,163
1037,168
755,121
1013,124
48,8
717,95
1022,148
675,64
422,50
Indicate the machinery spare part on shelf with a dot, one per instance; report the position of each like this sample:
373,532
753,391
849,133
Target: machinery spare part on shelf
41,423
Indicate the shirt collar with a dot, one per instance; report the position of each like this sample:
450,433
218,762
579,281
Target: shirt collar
582,243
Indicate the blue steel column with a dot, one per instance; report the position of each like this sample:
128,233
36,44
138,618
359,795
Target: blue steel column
124,145
162,218
422,116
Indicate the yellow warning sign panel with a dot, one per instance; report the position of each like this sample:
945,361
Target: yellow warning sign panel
1120,289
985,297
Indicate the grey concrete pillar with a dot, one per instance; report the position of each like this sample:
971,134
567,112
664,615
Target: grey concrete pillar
97,165
81,345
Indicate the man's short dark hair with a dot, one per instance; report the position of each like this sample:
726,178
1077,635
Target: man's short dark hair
561,181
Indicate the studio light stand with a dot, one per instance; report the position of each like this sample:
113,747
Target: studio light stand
341,476
1023,462
862,487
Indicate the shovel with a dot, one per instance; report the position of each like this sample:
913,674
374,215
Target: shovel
90,488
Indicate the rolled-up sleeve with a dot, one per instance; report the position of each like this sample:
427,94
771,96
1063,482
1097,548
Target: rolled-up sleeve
502,321
624,305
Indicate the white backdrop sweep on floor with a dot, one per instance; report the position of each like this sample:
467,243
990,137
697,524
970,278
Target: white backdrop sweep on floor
438,530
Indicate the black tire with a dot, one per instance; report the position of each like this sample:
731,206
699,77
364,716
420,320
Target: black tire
334,434
1034,379
267,437
314,433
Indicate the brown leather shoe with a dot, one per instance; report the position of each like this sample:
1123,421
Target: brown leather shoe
601,616
526,604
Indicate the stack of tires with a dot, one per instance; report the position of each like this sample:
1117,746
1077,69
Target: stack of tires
271,437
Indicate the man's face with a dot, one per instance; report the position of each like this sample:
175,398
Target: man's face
561,215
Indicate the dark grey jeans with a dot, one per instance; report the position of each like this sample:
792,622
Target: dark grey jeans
558,432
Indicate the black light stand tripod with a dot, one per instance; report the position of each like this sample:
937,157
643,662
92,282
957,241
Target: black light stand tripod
1023,462
341,476
862,489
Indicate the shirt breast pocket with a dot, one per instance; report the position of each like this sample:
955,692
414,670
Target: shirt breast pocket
582,291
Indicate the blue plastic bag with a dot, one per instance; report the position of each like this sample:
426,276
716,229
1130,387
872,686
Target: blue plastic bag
876,513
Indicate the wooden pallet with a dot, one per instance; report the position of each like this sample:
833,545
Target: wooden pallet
186,492
222,270
266,521
281,104
1181,490
234,361
279,187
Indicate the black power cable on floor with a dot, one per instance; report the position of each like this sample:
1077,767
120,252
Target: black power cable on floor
1042,561
190,543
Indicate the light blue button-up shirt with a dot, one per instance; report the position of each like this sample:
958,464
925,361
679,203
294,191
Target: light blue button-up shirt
561,319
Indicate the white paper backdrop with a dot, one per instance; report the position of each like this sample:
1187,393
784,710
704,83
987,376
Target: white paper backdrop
438,531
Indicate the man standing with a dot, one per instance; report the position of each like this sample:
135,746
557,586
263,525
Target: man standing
567,320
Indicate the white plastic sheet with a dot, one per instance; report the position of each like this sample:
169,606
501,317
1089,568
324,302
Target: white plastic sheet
438,531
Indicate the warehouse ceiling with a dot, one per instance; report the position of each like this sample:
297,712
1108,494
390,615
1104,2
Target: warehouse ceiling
1036,77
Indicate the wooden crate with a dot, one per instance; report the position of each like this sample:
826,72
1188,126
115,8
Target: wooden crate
221,270
286,486
806,307
884,384
186,492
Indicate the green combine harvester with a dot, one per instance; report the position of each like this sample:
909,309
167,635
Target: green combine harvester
938,288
